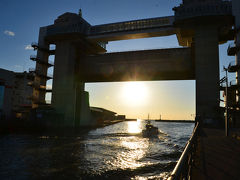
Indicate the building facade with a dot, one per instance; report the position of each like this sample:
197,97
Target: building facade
101,114
14,93
6,92
22,92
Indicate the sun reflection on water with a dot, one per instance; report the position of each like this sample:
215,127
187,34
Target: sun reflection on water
121,147
134,149
134,126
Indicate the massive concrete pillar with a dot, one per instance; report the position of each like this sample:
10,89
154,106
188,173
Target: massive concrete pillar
40,69
207,72
68,97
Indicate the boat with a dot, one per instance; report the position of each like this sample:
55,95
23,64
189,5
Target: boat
150,130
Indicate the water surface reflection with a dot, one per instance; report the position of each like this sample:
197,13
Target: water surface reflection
115,152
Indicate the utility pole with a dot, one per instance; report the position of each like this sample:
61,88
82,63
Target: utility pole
226,104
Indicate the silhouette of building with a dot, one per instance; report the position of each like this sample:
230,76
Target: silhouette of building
14,93
101,114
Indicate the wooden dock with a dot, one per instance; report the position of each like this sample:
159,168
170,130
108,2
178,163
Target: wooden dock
217,156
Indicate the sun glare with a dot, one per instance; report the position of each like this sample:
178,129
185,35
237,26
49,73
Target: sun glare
134,93
134,126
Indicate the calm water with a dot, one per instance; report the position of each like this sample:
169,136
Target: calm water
114,152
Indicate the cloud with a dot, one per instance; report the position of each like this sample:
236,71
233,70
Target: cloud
28,47
9,33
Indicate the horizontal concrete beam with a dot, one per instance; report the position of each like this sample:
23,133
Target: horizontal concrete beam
133,34
147,65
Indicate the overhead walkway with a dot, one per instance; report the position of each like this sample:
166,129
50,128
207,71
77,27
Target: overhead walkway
78,28
152,27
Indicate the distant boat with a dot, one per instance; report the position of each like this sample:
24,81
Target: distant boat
150,130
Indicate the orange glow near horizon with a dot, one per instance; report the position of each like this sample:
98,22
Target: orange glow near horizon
173,100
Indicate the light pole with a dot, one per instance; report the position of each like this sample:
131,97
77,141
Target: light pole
226,104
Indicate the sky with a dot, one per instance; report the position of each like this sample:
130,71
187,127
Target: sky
19,26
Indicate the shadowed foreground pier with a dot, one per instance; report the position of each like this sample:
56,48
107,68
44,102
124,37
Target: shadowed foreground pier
217,156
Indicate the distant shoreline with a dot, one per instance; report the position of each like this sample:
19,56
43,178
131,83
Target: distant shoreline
180,121
164,120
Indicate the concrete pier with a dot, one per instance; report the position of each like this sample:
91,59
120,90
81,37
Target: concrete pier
207,71
69,97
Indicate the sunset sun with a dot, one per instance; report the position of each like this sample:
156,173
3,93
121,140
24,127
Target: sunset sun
134,93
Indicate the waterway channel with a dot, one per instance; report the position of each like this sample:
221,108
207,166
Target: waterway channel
118,151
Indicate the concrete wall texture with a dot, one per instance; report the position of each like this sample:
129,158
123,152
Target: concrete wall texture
16,92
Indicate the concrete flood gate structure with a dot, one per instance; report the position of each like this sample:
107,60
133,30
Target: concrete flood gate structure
80,56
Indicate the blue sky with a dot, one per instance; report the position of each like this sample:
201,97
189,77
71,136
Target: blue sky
20,22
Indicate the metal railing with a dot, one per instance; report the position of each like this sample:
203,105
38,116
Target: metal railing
222,8
183,167
40,73
233,48
34,58
233,66
34,45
